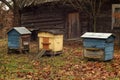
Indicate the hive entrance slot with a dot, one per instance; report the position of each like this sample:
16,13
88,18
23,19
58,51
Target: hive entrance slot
93,49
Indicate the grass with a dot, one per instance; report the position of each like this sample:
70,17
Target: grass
68,66
12,63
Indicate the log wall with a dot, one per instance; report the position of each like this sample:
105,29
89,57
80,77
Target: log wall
57,17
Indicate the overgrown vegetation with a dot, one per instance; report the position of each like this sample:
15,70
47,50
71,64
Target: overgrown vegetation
68,66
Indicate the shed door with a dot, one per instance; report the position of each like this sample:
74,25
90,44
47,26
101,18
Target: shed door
73,25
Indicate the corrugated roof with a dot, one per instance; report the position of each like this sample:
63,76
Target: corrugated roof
22,30
96,35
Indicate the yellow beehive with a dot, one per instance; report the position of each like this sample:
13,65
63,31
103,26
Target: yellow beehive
51,41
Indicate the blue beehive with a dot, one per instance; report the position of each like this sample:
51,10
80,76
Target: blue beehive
98,45
18,39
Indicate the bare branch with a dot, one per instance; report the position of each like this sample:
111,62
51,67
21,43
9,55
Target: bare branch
74,5
7,3
99,7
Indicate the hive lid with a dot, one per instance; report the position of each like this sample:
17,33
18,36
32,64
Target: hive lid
21,30
96,35
56,32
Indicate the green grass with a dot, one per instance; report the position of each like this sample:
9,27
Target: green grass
10,64
68,66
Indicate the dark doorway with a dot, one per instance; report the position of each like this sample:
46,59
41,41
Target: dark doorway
34,36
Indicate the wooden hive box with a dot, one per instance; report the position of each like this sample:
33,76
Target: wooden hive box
51,40
18,39
98,45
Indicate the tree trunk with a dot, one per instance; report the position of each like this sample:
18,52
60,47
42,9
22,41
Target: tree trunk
17,17
94,23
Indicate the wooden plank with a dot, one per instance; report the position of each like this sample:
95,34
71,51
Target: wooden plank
37,26
27,13
93,49
13,39
49,24
73,25
94,54
52,21
46,43
78,25
35,16
40,54
42,20
69,24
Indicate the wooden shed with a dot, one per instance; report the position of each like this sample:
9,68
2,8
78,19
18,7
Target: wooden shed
98,45
18,39
52,41
52,15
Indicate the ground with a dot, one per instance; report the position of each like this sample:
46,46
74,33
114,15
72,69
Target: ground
68,66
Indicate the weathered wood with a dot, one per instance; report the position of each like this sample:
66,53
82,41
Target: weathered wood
51,41
73,24
45,22
41,15
40,54
41,20
46,43
45,17
38,26
99,54
18,40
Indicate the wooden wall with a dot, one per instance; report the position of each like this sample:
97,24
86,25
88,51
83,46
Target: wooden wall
44,17
104,21
46,20
13,39
61,17
48,17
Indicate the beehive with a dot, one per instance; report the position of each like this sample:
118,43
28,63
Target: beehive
18,39
98,45
51,40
